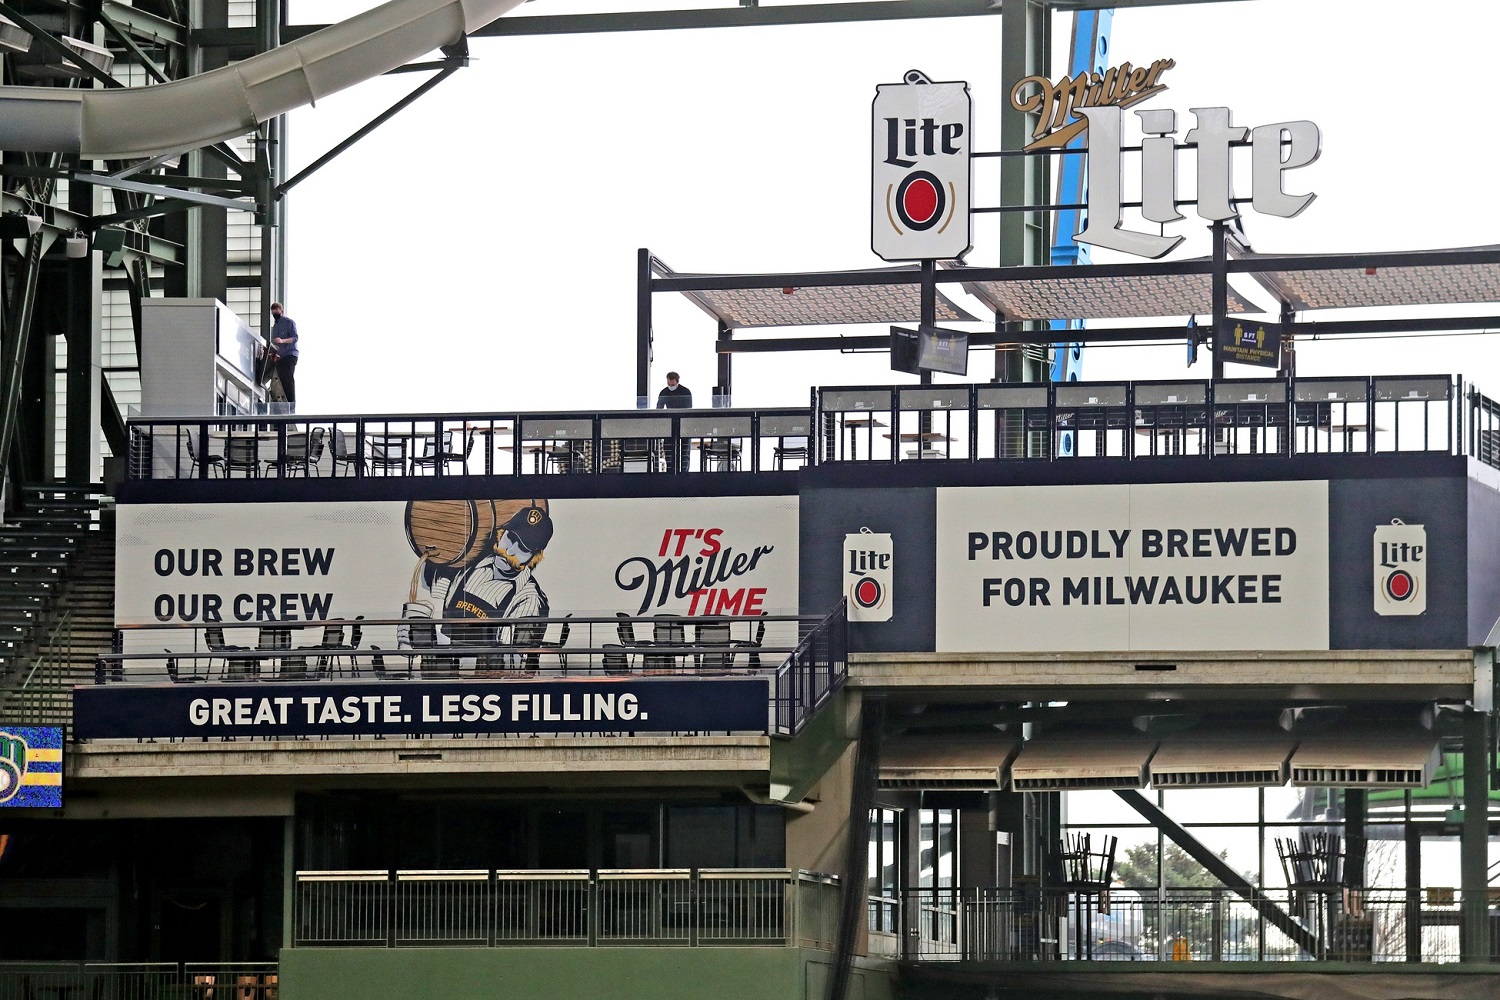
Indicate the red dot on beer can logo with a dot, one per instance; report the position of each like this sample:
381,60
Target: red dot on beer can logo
920,200
1399,586
866,593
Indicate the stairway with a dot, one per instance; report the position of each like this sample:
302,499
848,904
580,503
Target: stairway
56,600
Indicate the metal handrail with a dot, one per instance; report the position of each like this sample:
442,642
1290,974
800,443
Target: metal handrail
814,671
660,441
161,652
761,906
27,700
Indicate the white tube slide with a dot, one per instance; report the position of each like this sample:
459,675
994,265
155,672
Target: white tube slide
128,123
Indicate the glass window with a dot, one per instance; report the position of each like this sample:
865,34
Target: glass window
885,870
701,837
937,866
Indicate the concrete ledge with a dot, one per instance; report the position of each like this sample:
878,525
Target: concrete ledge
703,759
1193,980
1374,674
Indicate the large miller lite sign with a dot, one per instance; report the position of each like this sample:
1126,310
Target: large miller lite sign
1096,103
920,169
1400,569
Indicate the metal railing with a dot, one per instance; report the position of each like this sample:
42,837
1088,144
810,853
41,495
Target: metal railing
139,980
810,676
46,685
481,908
1263,418
1015,925
454,444
451,649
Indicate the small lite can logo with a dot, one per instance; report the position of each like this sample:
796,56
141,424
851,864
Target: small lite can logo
920,169
868,559
1400,569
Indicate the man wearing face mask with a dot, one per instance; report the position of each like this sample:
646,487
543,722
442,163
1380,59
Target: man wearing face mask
284,342
494,589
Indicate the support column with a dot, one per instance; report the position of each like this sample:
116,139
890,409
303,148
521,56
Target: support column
725,371
1025,50
854,894
1355,841
643,327
1474,839
84,333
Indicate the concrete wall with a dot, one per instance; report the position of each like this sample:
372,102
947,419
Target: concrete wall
550,973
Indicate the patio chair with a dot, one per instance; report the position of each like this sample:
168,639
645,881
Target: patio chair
213,638
388,454
242,453
715,648
439,454
211,462
343,455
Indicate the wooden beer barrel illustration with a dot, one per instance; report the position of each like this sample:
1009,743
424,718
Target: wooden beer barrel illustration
458,532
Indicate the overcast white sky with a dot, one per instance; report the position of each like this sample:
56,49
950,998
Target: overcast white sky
478,252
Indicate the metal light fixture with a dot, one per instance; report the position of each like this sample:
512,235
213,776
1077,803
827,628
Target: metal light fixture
95,55
19,225
13,38
76,245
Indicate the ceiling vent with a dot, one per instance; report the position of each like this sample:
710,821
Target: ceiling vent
1366,758
1071,759
1225,759
954,762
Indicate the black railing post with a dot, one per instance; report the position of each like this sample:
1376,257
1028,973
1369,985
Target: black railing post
695,907
492,909
390,909
591,907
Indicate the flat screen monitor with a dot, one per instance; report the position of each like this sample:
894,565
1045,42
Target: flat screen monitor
941,350
904,351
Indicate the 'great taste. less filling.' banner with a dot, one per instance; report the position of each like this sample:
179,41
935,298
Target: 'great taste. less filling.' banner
1145,567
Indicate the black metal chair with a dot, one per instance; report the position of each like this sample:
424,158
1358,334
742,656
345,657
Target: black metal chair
668,636
439,454
242,453
303,450
715,649
213,638
212,462
753,644
278,639
559,646
785,452
721,455
343,455
388,454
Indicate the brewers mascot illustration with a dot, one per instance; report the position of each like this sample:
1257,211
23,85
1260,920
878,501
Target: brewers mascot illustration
475,560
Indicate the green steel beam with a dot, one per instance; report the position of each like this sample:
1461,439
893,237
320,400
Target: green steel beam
1474,840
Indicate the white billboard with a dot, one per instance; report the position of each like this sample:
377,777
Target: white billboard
505,557
1196,566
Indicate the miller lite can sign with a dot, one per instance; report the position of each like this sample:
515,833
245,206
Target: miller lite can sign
868,559
1400,569
920,169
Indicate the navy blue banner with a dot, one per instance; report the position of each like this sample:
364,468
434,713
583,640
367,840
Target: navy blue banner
594,705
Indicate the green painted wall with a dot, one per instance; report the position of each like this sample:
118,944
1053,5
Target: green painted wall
550,973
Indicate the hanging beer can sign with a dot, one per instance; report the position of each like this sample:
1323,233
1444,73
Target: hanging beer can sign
920,169
868,575
1400,569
